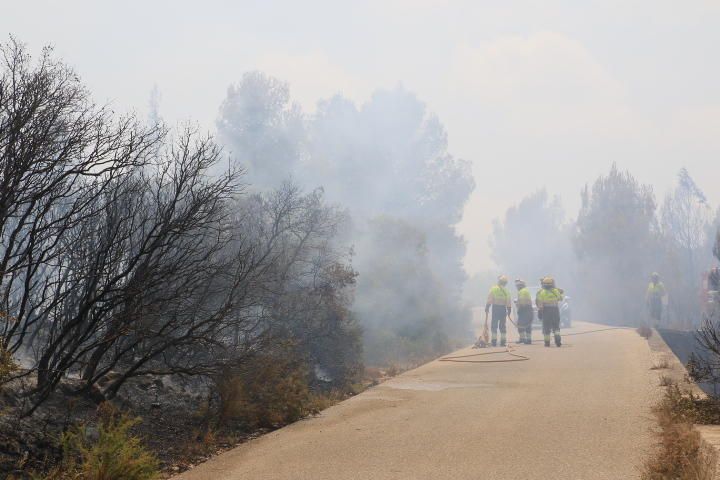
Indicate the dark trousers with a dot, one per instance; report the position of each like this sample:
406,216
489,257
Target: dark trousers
525,318
656,309
499,315
551,321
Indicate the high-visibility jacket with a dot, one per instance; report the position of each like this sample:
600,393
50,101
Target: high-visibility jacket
524,297
548,297
655,290
499,296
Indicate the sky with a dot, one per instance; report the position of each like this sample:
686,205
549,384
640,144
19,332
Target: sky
535,94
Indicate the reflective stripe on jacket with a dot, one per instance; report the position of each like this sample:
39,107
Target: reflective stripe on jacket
549,297
499,296
656,290
524,297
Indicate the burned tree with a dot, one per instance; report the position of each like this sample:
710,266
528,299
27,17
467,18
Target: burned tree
124,253
60,156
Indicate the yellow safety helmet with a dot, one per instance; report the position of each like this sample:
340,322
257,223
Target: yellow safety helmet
548,282
502,280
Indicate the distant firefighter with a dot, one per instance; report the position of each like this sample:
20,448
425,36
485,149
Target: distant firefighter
654,297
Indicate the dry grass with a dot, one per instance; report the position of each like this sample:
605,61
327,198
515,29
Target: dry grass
666,381
662,363
680,453
393,370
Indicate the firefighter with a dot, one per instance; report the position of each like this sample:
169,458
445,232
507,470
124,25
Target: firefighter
499,299
524,312
548,303
654,297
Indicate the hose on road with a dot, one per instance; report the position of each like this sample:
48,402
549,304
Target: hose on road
509,350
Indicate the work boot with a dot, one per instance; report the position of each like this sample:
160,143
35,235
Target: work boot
547,343
503,339
558,341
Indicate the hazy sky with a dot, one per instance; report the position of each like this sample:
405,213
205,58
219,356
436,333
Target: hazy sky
535,94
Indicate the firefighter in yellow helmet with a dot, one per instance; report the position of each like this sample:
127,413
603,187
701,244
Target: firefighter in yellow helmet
654,297
524,311
548,303
499,300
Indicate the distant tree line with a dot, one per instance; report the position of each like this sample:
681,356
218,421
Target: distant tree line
621,235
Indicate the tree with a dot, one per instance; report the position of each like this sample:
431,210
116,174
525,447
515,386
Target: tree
263,130
60,156
685,224
123,255
616,242
533,240
386,161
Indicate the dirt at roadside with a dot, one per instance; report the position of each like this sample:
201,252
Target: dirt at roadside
173,426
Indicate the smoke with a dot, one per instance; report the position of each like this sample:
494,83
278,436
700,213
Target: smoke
604,258
387,163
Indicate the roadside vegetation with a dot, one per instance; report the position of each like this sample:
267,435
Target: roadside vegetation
204,297
680,453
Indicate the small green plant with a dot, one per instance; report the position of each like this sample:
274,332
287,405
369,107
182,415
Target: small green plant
115,454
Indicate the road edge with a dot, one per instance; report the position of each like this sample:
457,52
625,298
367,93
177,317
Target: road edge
710,434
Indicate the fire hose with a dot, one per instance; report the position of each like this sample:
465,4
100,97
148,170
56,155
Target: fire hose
509,350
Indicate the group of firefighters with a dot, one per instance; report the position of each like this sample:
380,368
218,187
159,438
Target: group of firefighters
547,300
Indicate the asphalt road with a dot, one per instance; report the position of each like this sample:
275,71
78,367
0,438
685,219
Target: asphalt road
576,412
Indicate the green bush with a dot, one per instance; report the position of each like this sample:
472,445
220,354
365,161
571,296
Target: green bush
115,454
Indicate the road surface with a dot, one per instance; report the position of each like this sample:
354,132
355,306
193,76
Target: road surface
577,412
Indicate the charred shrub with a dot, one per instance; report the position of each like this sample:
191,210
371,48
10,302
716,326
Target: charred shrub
266,391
